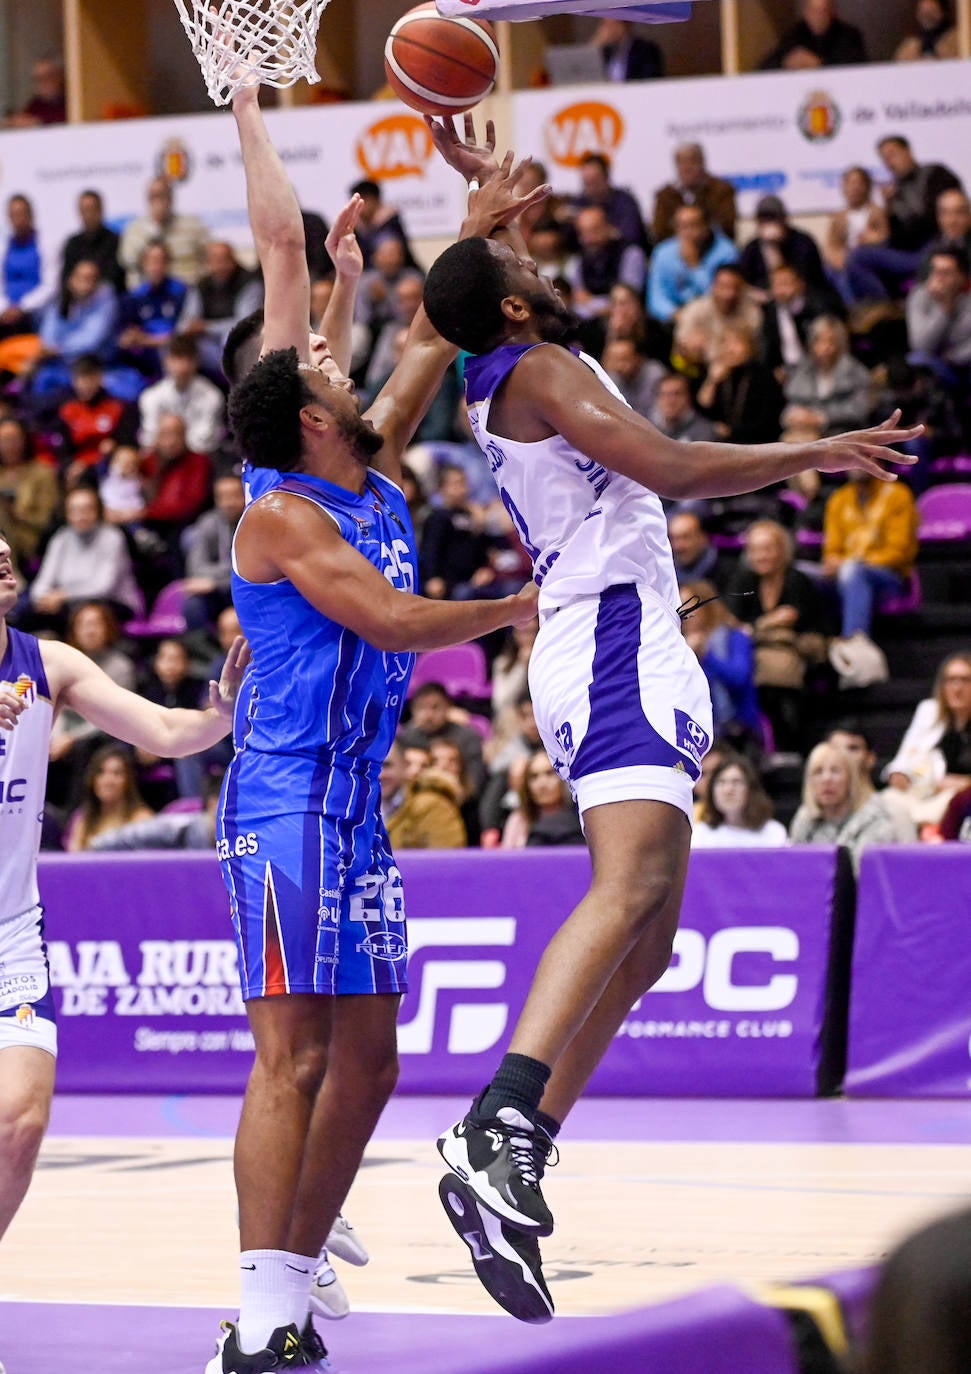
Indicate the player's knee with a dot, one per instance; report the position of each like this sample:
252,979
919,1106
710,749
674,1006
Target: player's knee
309,1068
641,900
21,1135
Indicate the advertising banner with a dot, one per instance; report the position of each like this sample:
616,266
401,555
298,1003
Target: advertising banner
792,134
144,971
910,1005
325,148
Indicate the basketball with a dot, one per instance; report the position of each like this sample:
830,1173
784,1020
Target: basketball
440,66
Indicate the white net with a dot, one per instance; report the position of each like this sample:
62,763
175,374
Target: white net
244,42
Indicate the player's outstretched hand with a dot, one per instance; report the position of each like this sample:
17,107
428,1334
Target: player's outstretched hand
474,161
524,604
11,706
341,243
498,201
222,694
867,450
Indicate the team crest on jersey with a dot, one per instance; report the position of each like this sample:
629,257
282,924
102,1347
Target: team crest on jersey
24,687
363,526
25,1016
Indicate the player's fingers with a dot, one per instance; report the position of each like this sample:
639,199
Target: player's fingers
490,142
469,129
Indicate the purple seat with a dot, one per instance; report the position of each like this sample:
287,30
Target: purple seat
945,512
957,462
165,618
908,600
181,806
460,669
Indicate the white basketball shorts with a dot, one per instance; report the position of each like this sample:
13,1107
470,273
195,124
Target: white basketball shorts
621,702
26,1004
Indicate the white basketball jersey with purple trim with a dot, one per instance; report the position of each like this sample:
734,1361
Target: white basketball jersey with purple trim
584,527
23,774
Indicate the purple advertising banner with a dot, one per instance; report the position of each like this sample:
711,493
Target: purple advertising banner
144,970
910,1009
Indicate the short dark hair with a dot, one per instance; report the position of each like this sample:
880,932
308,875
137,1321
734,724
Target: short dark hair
463,295
601,161
87,365
430,689
849,725
264,411
366,188
957,255
894,138
241,351
731,267
183,346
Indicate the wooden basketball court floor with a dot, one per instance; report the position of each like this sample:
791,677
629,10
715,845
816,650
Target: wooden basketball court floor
129,1226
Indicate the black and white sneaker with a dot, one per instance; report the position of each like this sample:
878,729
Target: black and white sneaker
507,1262
502,1159
312,1348
284,1350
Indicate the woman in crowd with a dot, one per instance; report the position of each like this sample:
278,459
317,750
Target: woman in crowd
727,658
447,758
863,221
509,670
829,392
28,490
110,798
740,395
738,811
546,814
835,807
429,817
934,758
783,608
936,35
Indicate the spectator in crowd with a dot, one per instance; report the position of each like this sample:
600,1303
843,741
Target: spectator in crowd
86,560
171,682
225,294
850,736
421,812
619,205
152,312
93,242
183,391
378,220
120,486
869,547
720,751
82,320
405,300
695,556
792,308
636,377
28,490
683,268
836,808
956,821
177,481
727,658
515,738
23,286
675,415
454,549
862,222
738,811
550,250
934,758
880,271
694,185
509,676
939,318
546,814
953,228
777,241
169,829
208,560
627,57
431,720
740,394
782,607
109,798
627,318
828,392
446,757
184,236
91,420
603,261
701,324
936,35
375,305
819,39
47,103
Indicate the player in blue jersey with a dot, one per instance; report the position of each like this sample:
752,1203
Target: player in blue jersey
324,579
620,700
38,678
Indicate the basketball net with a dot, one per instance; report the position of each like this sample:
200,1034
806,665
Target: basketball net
248,42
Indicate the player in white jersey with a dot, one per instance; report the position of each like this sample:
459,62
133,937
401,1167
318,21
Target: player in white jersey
621,703
37,678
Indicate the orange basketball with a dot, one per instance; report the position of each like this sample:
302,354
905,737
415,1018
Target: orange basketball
440,66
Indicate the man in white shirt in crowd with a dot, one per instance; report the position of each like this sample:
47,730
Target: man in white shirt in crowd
183,391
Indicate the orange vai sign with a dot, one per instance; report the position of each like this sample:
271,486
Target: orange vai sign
396,146
589,126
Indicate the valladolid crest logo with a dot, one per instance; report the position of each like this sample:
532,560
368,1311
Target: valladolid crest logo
819,118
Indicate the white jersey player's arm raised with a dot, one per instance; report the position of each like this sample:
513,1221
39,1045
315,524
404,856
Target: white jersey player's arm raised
552,392
169,732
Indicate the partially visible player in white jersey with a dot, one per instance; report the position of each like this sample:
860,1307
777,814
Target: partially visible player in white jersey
37,679
621,702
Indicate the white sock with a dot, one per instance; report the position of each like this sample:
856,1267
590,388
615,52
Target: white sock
265,1297
300,1276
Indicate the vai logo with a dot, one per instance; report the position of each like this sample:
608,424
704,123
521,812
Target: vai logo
473,1027
819,118
589,126
397,146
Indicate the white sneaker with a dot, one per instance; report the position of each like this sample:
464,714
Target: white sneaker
343,1242
327,1296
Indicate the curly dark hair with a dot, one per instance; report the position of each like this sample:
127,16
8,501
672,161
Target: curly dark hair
463,295
264,411
241,352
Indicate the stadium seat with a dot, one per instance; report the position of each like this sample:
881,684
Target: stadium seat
460,669
908,600
165,618
945,512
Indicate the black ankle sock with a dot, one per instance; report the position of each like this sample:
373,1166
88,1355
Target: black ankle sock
548,1124
519,1082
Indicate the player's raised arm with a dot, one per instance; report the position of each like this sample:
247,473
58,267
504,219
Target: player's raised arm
277,225
77,682
337,323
